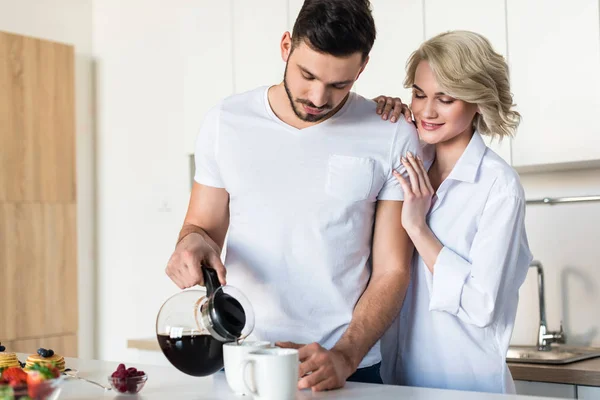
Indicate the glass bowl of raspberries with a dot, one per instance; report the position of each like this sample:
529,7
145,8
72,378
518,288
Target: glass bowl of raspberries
127,380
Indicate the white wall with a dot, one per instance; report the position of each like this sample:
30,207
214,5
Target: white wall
70,22
566,239
143,178
148,60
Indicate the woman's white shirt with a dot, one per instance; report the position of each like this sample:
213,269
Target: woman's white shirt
455,325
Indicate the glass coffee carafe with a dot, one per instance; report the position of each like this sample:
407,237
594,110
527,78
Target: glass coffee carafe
193,325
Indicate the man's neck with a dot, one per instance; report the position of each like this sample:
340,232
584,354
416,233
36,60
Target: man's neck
280,104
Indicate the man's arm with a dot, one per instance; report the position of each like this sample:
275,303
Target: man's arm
201,237
376,309
380,303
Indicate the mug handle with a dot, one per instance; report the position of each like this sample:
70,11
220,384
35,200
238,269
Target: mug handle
251,388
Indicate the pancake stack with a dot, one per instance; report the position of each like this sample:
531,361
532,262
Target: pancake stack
55,360
8,360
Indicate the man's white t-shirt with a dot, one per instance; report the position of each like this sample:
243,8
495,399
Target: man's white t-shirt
302,208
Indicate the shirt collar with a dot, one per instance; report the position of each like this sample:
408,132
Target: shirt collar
468,164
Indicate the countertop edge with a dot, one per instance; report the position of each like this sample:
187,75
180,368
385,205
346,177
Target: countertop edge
585,373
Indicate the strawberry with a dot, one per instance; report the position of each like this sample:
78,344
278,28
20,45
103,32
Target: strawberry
15,376
36,377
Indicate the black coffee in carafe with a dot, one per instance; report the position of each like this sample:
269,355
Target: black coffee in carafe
196,355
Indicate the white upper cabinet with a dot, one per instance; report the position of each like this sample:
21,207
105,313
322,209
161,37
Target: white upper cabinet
258,27
206,42
487,18
554,54
399,32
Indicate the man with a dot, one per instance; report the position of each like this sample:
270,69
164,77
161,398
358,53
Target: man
300,176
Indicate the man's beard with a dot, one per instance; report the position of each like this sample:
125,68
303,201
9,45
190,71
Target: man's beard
305,117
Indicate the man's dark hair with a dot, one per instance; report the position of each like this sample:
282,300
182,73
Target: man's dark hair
337,27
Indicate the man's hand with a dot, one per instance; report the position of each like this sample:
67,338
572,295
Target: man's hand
392,107
192,252
321,369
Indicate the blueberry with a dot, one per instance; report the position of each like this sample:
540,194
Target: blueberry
2,348
22,364
50,353
41,351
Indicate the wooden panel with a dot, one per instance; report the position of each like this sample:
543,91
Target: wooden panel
9,286
60,269
37,120
38,270
23,250
65,345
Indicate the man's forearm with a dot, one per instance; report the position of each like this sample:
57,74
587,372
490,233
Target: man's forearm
373,314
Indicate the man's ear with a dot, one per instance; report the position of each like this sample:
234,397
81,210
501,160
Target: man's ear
286,46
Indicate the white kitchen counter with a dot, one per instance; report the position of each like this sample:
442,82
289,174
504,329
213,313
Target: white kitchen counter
169,383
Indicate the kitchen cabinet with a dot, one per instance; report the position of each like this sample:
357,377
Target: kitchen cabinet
65,345
257,30
543,389
207,37
484,17
38,228
399,33
37,126
588,393
554,55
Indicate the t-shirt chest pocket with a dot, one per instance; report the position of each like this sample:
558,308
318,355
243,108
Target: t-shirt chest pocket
349,178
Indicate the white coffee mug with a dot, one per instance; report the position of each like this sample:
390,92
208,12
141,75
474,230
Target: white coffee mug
234,356
271,374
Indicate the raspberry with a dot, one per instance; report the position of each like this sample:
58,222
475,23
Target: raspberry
140,373
121,366
131,371
132,386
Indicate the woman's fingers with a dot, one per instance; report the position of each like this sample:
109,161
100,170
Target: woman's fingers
380,104
405,186
387,109
418,172
412,174
426,175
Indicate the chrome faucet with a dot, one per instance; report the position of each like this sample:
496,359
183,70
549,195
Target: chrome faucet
545,337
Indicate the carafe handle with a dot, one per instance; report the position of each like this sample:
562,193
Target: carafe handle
211,280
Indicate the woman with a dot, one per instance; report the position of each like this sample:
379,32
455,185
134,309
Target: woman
465,216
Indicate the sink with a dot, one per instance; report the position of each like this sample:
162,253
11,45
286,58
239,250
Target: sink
556,355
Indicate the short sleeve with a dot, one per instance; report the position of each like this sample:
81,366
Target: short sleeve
207,147
406,139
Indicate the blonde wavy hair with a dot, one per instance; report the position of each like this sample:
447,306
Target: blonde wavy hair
467,68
